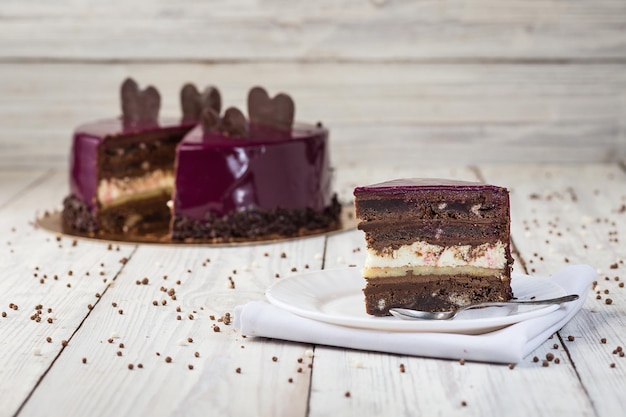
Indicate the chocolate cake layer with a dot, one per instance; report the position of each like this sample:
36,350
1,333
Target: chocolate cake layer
256,223
140,216
432,293
434,199
381,235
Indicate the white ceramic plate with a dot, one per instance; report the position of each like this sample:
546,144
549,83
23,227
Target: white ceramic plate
336,296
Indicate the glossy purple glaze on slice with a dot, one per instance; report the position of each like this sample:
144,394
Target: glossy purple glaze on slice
407,185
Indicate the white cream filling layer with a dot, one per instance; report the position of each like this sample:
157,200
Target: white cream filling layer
424,254
115,191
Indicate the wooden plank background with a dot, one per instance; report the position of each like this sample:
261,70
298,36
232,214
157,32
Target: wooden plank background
419,82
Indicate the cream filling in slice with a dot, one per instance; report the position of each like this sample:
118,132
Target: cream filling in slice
115,191
424,258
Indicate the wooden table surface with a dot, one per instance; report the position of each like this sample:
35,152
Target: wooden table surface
107,344
528,95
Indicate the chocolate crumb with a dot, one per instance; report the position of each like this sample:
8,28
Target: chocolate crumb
347,394
216,329
612,365
283,255
130,366
84,360
462,361
299,360
545,364
274,358
140,365
196,354
608,301
557,360
511,365
402,369
120,311
168,359
549,356
49,339
190,366
555,346
63,343
238,370
189,340
603,340
290,380
119,353
121,345
570,338
463,403
145,281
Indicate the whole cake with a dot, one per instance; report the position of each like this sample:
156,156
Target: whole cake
205,176
434,244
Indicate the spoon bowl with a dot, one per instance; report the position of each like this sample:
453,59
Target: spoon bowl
409,314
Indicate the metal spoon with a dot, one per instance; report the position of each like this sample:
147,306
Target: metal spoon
408,314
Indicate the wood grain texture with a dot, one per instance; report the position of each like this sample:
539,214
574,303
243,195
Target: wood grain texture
394,115
576,214
346,30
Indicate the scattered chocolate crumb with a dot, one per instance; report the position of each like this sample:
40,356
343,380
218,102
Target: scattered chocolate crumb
283,255
463,403
178,317
123,260
119,353
190,366
614,266
190,316
216,329
347,394
299,370
120,311
84,360
155,303
189,340
545,364
63,343
612,365
121,345
168,359
603,340
402,369
70,272
511,365
555,346
266,254
462,361
290,380
110,340
299,360
196,354
49,339
549,356
4,314
274,358
608,301
557,360
130,366
238,370
570,338
114,304
140,365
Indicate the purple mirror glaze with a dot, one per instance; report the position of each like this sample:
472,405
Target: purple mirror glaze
85,147
219,174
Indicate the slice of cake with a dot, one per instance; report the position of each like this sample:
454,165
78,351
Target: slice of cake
434,244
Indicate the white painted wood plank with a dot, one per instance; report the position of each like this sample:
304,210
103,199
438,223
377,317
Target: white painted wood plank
159,388
576,214
15,183
329,30
30,260
424,114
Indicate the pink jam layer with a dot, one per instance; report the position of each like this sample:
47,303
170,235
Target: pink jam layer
85,148
217,174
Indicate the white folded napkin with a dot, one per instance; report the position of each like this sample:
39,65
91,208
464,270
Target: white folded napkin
508,345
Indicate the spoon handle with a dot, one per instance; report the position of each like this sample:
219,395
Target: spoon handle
558,300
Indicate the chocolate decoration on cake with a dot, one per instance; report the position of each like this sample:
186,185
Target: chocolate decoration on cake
193,102
139,107
276,112
232,124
